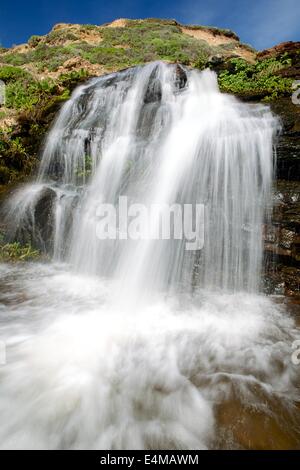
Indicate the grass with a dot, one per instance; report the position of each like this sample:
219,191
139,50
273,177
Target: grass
15,252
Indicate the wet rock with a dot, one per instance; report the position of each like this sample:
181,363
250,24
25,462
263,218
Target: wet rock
180,77
215,60
288,143
288,140
36,226
44,220
218,63
154,91
282,242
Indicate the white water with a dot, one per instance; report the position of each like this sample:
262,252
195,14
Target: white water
137,344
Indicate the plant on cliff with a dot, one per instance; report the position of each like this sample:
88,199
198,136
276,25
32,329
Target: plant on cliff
259,78
36,102
23,91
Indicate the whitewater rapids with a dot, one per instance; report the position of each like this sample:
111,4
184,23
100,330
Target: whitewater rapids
142,344
83,375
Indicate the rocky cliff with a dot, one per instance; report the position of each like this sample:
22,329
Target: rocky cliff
40,75
282,235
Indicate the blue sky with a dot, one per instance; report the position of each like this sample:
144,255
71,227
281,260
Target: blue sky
261,23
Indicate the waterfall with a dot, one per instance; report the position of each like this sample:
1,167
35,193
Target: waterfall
165,135
141,342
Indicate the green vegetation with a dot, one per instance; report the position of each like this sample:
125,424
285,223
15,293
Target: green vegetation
34,40
9,74
71,79
259,78
146,41
14,157
36,102
23,91
20,95
15,252
44,56
61,35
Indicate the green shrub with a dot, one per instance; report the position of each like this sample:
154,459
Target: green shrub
72,78
61,35
10,73
153,40
24,94
89,27
201,60
14,58
106,55
34,40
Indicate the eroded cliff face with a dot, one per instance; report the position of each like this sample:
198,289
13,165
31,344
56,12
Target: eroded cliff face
282,235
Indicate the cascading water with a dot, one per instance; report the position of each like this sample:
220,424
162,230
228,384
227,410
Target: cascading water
143,343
